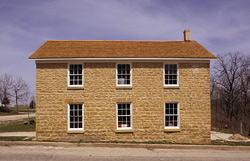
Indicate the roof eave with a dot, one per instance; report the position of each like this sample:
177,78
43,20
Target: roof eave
112,59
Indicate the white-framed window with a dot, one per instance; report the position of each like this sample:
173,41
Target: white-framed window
124,115
124,74
75,116
75,75
171,116
171,74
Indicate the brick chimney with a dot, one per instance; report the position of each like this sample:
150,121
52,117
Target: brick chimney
186,35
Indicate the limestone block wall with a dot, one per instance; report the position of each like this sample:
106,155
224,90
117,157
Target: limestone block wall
147,96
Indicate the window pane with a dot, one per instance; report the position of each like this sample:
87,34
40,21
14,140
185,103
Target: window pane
171,111
75,75
123,75
171,115
123,115
175,118
171,74
175,110
75,115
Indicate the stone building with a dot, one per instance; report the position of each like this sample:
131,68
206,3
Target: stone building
123,91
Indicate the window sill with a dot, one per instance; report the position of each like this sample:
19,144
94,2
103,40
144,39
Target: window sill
75,131
172,130
124,130
75,88
171,87
123,87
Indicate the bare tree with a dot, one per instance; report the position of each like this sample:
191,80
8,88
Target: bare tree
21,90
245,93
228,71
230,92
5,87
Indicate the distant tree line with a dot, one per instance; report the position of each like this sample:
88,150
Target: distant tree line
15,89
230,93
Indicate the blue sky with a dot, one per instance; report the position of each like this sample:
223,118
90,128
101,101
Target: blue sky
219,25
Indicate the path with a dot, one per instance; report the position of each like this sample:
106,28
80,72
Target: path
219,136
17,133
223,136
112,153
16,117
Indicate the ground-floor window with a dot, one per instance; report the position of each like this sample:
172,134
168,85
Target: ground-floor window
124,116
75,116
172,116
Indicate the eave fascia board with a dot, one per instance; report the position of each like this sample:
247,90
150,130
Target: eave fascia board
118,59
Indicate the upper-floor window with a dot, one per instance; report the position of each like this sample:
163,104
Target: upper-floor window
75,76
172,116
124,116
171,75
75,117
124,74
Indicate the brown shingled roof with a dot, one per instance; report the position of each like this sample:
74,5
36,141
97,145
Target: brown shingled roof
121,49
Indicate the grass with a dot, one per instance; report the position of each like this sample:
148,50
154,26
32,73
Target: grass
213,142
221,142
12,138
17,127
22,109
7,113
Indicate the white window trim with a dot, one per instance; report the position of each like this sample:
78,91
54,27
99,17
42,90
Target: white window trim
131,115
178,111
75,129
82,75
171,85
124,85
